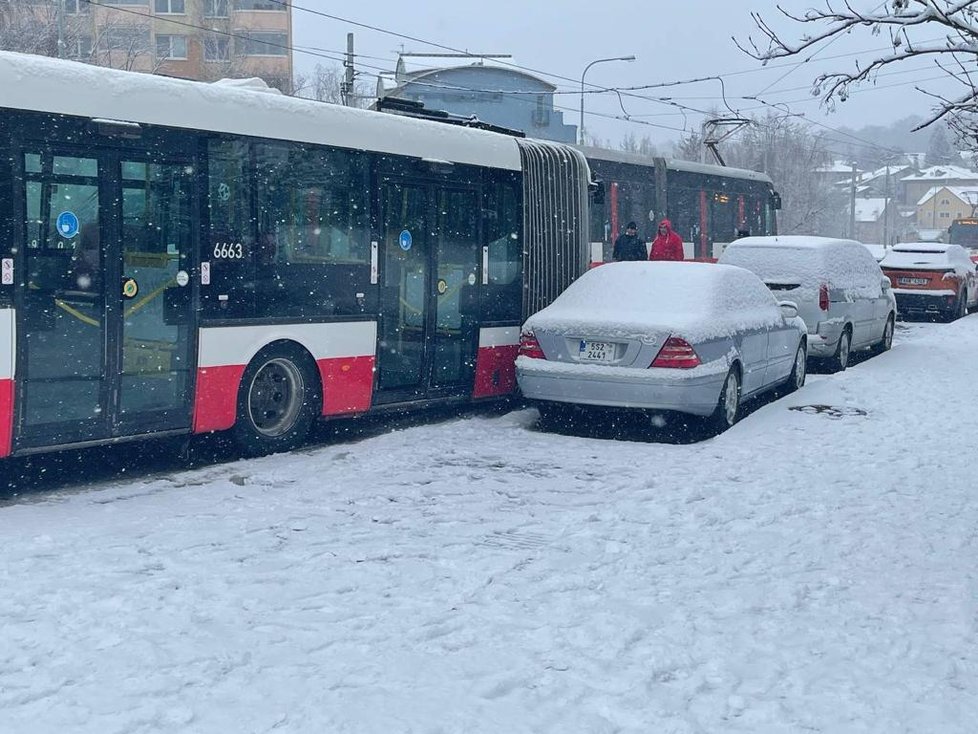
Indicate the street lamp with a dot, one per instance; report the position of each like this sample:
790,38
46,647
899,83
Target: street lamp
583,74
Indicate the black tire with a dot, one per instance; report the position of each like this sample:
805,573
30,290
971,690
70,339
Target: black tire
727,413
799,371
840,360
278,400
886,342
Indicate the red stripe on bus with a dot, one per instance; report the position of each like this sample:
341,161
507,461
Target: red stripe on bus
348,384
216,401
6,417
495,371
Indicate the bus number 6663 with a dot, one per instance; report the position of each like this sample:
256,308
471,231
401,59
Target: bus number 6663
228,251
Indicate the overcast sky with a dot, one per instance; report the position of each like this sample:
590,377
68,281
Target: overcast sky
672,40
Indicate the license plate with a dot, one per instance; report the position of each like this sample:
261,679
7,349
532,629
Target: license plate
596,351
913,281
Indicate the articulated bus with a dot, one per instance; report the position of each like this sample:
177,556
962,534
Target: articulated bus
181,258
709,206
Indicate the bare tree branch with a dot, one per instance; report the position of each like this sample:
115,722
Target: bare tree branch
956,53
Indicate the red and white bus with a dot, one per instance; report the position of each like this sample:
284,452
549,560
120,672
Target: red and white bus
180,257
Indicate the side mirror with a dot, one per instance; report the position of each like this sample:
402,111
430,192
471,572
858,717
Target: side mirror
885,283
776,200
789,309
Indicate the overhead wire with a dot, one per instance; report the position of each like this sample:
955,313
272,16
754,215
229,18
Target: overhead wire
596,89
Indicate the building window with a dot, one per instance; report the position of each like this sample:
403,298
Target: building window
171,47
215,8
217,48
260,5
170,7
945,215
76,7
541,113
254,43
133,39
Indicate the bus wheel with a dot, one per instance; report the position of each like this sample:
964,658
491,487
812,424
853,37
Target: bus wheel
277,401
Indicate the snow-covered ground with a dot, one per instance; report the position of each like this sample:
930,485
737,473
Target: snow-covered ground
805,572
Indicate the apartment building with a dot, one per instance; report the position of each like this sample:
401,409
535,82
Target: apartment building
192,39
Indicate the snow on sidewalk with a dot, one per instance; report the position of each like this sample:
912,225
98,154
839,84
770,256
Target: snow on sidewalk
803,572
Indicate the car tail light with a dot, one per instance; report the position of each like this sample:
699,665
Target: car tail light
530,347
823,297
678,354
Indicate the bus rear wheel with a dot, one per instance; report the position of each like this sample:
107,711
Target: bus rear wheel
277,402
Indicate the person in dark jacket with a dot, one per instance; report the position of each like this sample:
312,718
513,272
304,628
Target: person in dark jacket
628,246
667,245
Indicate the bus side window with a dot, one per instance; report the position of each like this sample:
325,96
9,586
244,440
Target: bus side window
314,228
230,247
504,229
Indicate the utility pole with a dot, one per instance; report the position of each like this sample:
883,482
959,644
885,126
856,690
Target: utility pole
852,203
60,10
346,87
886,208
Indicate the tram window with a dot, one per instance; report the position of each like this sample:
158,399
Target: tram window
684,213
32,163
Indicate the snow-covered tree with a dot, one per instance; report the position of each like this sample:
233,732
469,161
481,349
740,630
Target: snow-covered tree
943,30
323,85
689,147
631,143
30,28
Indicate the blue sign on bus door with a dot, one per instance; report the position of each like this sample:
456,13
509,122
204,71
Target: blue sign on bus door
67,224
405,240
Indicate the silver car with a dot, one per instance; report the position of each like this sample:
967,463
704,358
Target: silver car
662,336
838,286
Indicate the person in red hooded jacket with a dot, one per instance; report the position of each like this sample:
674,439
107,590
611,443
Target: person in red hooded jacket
667,245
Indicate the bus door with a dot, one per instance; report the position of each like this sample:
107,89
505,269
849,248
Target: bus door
430,277
104,318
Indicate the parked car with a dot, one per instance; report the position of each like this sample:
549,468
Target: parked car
932,279
690,337
841,293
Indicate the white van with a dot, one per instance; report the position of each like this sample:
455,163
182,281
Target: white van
843,296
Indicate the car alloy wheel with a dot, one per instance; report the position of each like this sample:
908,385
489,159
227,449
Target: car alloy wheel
801,363
730,399
887,335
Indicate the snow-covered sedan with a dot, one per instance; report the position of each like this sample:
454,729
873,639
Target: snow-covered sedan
932,279
689,337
